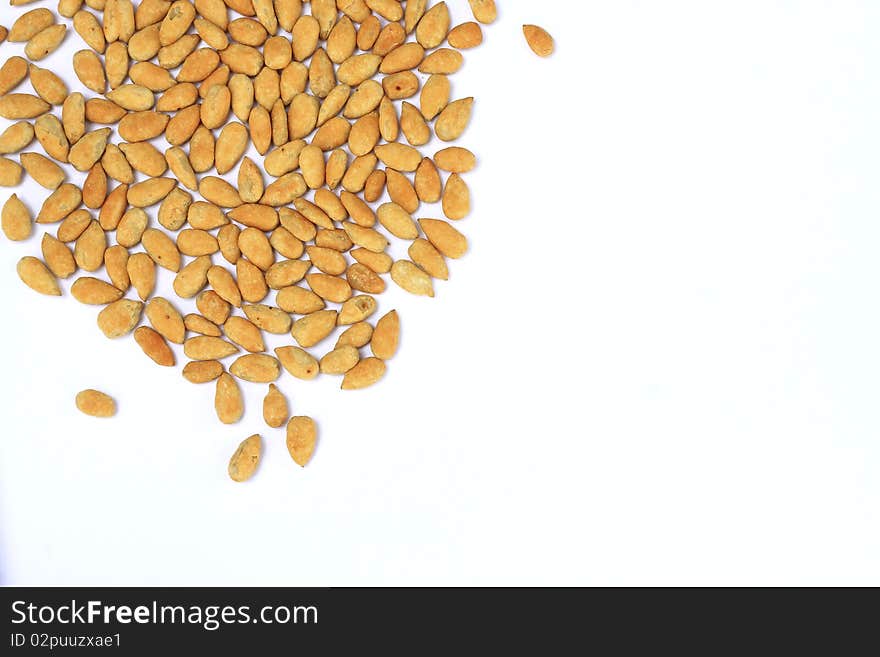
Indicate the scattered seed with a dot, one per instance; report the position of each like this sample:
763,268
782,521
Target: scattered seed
302,435
95,403
306,97
246,459
539,40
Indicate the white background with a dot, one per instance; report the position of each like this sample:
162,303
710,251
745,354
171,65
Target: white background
658,364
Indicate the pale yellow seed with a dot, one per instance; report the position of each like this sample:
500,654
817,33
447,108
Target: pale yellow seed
411,278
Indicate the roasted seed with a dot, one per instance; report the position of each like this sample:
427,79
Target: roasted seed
246,459
302,435
95,403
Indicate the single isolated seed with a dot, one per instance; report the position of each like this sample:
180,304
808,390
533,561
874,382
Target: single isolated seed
246,458
539,40
95,403
302,436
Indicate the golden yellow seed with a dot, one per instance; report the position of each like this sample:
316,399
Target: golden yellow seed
16,220
50,134
49,86
356,309
116,263
144,44
256,368
161,249
413,13
397,221
45,42
228,401
251,281
120,318
379,263
484,10
386,336
340,360
433,28
360,277
166,319
37,276
456,198
423,253
57,257
314,327
403,58
43,170
275,408
539,40
60,203
444,61
399,156
369,32
454,119
22,106
29,24
244,462
154,346
12,73
435,96
114,207
206,347
192,278
302,436
94,188
391,36
10,173
95,403
298,362
89,149
464,36
142,272
201,325
202,371
93,291
19,135
90,70
356,335
367,372
90,247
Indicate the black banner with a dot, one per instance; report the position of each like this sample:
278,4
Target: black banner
551,621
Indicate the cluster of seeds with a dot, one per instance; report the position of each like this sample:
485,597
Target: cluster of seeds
188,88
